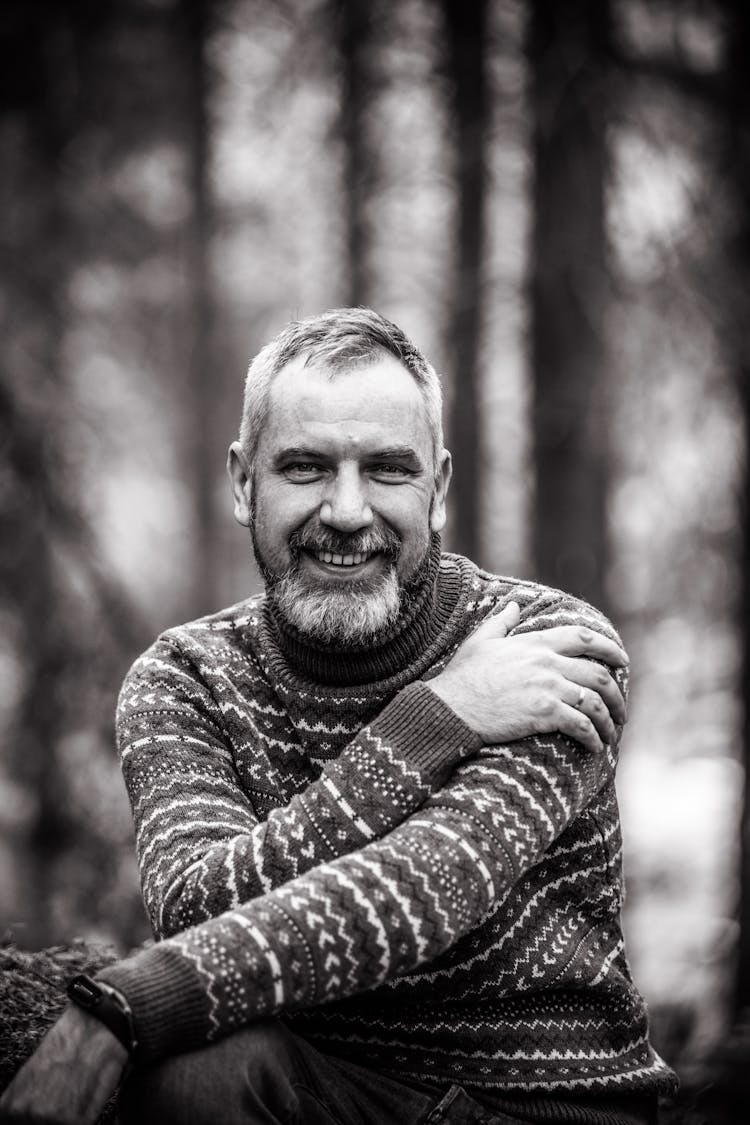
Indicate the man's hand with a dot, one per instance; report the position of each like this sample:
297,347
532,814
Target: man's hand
70,1076
535,683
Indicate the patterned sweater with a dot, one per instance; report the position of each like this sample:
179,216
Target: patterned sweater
320,836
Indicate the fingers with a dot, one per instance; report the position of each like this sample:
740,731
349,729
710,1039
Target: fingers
509,616
580,727
500,624
577,640
586,674
591,705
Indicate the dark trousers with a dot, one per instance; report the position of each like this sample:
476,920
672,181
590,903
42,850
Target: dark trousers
265,1075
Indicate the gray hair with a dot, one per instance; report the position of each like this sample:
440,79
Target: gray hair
335,339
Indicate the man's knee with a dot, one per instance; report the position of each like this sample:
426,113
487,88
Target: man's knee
246,1077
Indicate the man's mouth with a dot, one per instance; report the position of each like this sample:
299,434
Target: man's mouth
345,558
354,559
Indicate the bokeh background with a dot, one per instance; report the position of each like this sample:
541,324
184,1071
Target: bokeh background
553,199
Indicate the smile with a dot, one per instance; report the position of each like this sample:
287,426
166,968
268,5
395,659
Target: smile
342,560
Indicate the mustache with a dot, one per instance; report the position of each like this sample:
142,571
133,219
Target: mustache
381,540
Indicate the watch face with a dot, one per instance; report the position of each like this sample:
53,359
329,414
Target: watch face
85,992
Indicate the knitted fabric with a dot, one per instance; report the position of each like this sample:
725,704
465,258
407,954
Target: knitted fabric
341,850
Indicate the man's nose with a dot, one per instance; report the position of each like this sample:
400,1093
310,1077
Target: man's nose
346,506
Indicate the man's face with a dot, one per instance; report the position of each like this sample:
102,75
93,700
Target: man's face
343,496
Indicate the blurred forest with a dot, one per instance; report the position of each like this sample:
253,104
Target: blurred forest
553,199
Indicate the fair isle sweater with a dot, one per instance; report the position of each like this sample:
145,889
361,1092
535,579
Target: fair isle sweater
320,837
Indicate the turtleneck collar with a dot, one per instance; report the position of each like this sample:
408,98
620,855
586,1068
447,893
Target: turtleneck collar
418,625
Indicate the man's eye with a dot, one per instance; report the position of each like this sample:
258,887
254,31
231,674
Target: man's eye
389,470
303,469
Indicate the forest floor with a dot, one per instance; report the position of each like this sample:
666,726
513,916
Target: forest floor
32,996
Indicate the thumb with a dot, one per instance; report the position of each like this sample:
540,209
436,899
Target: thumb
500,624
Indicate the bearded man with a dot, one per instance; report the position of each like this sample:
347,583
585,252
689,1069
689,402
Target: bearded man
374,806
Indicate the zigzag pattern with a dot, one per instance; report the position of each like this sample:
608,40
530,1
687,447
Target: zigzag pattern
350,858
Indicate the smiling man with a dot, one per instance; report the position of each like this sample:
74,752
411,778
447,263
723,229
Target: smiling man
375,809
342,475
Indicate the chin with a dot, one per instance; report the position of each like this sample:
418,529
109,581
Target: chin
348,615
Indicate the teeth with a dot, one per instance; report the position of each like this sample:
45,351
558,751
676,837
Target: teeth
342,560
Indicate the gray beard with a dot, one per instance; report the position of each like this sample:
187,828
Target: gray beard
348,615
342,616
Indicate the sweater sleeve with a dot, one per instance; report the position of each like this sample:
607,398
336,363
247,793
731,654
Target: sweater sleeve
377,912
201,848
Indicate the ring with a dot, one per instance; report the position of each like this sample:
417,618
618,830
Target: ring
581,696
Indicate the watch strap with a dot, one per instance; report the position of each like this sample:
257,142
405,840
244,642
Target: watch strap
107,1005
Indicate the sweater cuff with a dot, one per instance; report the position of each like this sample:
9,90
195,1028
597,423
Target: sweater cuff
426,732
169,1007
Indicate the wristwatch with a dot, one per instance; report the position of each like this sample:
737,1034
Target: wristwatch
108,1005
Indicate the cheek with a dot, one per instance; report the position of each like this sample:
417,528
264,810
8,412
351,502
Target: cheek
414,513
279,511
414,529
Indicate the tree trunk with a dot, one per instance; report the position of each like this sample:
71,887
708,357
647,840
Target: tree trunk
34,105
737,165
203,375
66,623
465,29
353,19
567,46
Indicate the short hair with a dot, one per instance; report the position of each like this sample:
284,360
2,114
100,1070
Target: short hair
337,338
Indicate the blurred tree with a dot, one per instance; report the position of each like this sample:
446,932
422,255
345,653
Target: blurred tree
204,374
354,27
567,49
66,621
465,37
737,166
675,60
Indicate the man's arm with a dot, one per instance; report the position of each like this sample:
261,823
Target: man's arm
339,929
200,845
380,911
70,1076
377,913
202,849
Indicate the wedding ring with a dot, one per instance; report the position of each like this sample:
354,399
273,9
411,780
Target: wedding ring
581,696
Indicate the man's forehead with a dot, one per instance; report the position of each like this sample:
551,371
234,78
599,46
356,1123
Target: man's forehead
383,378
378,401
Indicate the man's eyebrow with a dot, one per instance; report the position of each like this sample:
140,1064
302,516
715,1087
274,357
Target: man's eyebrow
298,451
395,453
388,453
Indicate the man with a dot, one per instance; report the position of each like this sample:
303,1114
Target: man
375,810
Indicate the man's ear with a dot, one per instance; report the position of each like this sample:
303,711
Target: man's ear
442,483
241,482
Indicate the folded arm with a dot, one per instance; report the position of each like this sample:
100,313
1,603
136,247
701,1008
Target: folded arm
367,917
378,911
201,847
381,910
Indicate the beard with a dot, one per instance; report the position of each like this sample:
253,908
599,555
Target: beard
348,614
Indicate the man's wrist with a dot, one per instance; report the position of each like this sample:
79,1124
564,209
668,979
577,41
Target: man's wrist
445,689
107,1005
